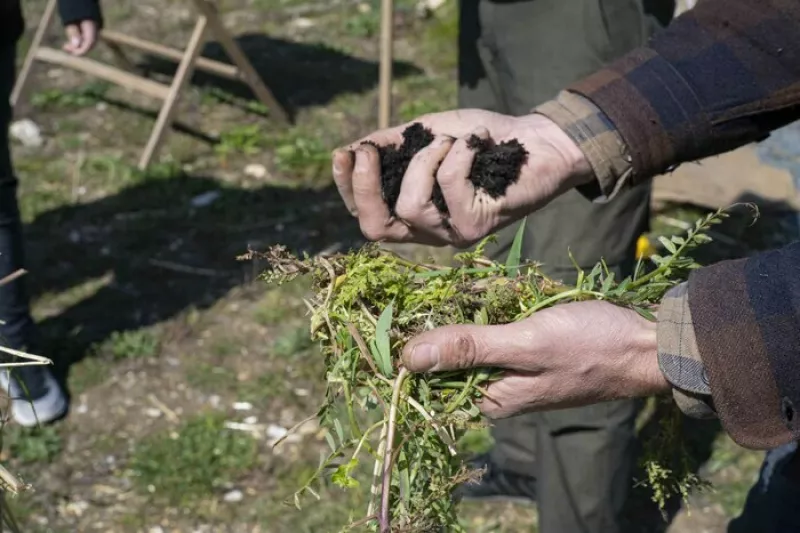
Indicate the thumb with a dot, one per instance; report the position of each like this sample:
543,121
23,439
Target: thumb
461,347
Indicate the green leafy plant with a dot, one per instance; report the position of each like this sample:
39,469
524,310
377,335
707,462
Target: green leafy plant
194,461
368,303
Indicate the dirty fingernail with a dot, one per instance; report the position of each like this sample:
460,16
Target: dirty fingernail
424,357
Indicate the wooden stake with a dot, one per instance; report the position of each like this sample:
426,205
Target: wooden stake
185,69
385,80
24,73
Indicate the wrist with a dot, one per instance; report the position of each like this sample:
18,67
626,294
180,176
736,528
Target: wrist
644,362
572,168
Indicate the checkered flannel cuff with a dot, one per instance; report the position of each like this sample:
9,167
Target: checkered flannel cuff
597,137
679,356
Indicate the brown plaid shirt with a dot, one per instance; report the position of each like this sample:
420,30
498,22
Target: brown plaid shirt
722,75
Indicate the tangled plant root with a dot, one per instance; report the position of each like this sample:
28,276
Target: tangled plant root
367,304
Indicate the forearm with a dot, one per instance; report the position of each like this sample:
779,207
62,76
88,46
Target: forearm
75,11
732,333
722,75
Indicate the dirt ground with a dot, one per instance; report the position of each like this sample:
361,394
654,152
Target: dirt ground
182,367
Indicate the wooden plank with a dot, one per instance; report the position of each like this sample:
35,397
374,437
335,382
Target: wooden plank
238,57
103,71
387,57
185,69
202,63
25,71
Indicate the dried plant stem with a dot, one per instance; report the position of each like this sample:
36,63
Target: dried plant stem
387,453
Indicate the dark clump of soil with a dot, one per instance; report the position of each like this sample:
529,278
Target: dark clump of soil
496,166
395,160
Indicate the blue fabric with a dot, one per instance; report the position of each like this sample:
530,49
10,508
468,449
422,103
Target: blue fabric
18,330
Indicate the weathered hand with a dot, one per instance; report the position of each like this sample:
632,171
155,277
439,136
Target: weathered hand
81,37
566,356
554,165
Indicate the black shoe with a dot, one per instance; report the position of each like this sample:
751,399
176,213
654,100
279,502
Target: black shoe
497,485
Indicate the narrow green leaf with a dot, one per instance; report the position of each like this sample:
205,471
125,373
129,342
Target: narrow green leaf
646,314
515,253
404,479
680,241
331,442
608,282
337,426
383,342
669,245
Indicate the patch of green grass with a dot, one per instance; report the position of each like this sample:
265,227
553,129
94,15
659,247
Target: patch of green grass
32,445
301,155
439,40
293,340
85,96
248,139
257,391
363,24
211,378
280,302
185,466
214,95
137,344
88,373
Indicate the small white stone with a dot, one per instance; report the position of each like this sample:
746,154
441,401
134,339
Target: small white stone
27,132
251,420
255,170
214,400
152,412
156,529
242,406
233,496
302,23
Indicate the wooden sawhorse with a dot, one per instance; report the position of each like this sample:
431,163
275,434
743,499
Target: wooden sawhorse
188,59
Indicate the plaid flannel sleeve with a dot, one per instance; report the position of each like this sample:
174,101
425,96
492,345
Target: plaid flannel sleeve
598,139
679,355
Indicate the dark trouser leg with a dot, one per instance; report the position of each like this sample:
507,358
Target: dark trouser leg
514,56
771,505
19,329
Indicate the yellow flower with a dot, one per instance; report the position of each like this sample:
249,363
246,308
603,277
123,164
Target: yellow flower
644,248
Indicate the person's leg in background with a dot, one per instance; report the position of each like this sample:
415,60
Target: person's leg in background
771,505
36,396
515,55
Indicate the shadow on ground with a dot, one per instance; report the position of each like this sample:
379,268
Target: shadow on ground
162,254
298,74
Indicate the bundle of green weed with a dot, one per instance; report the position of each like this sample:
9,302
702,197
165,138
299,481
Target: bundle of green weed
369,303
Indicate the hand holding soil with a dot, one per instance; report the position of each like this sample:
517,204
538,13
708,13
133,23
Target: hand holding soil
455,177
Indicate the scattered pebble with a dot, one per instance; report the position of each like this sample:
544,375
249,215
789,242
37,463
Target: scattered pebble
205,199
156,529
250,420
233,496
302,23
301,392
27,132
214,400
255,170
242,406
152,412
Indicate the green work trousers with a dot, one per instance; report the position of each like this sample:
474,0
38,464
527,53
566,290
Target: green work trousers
512,57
